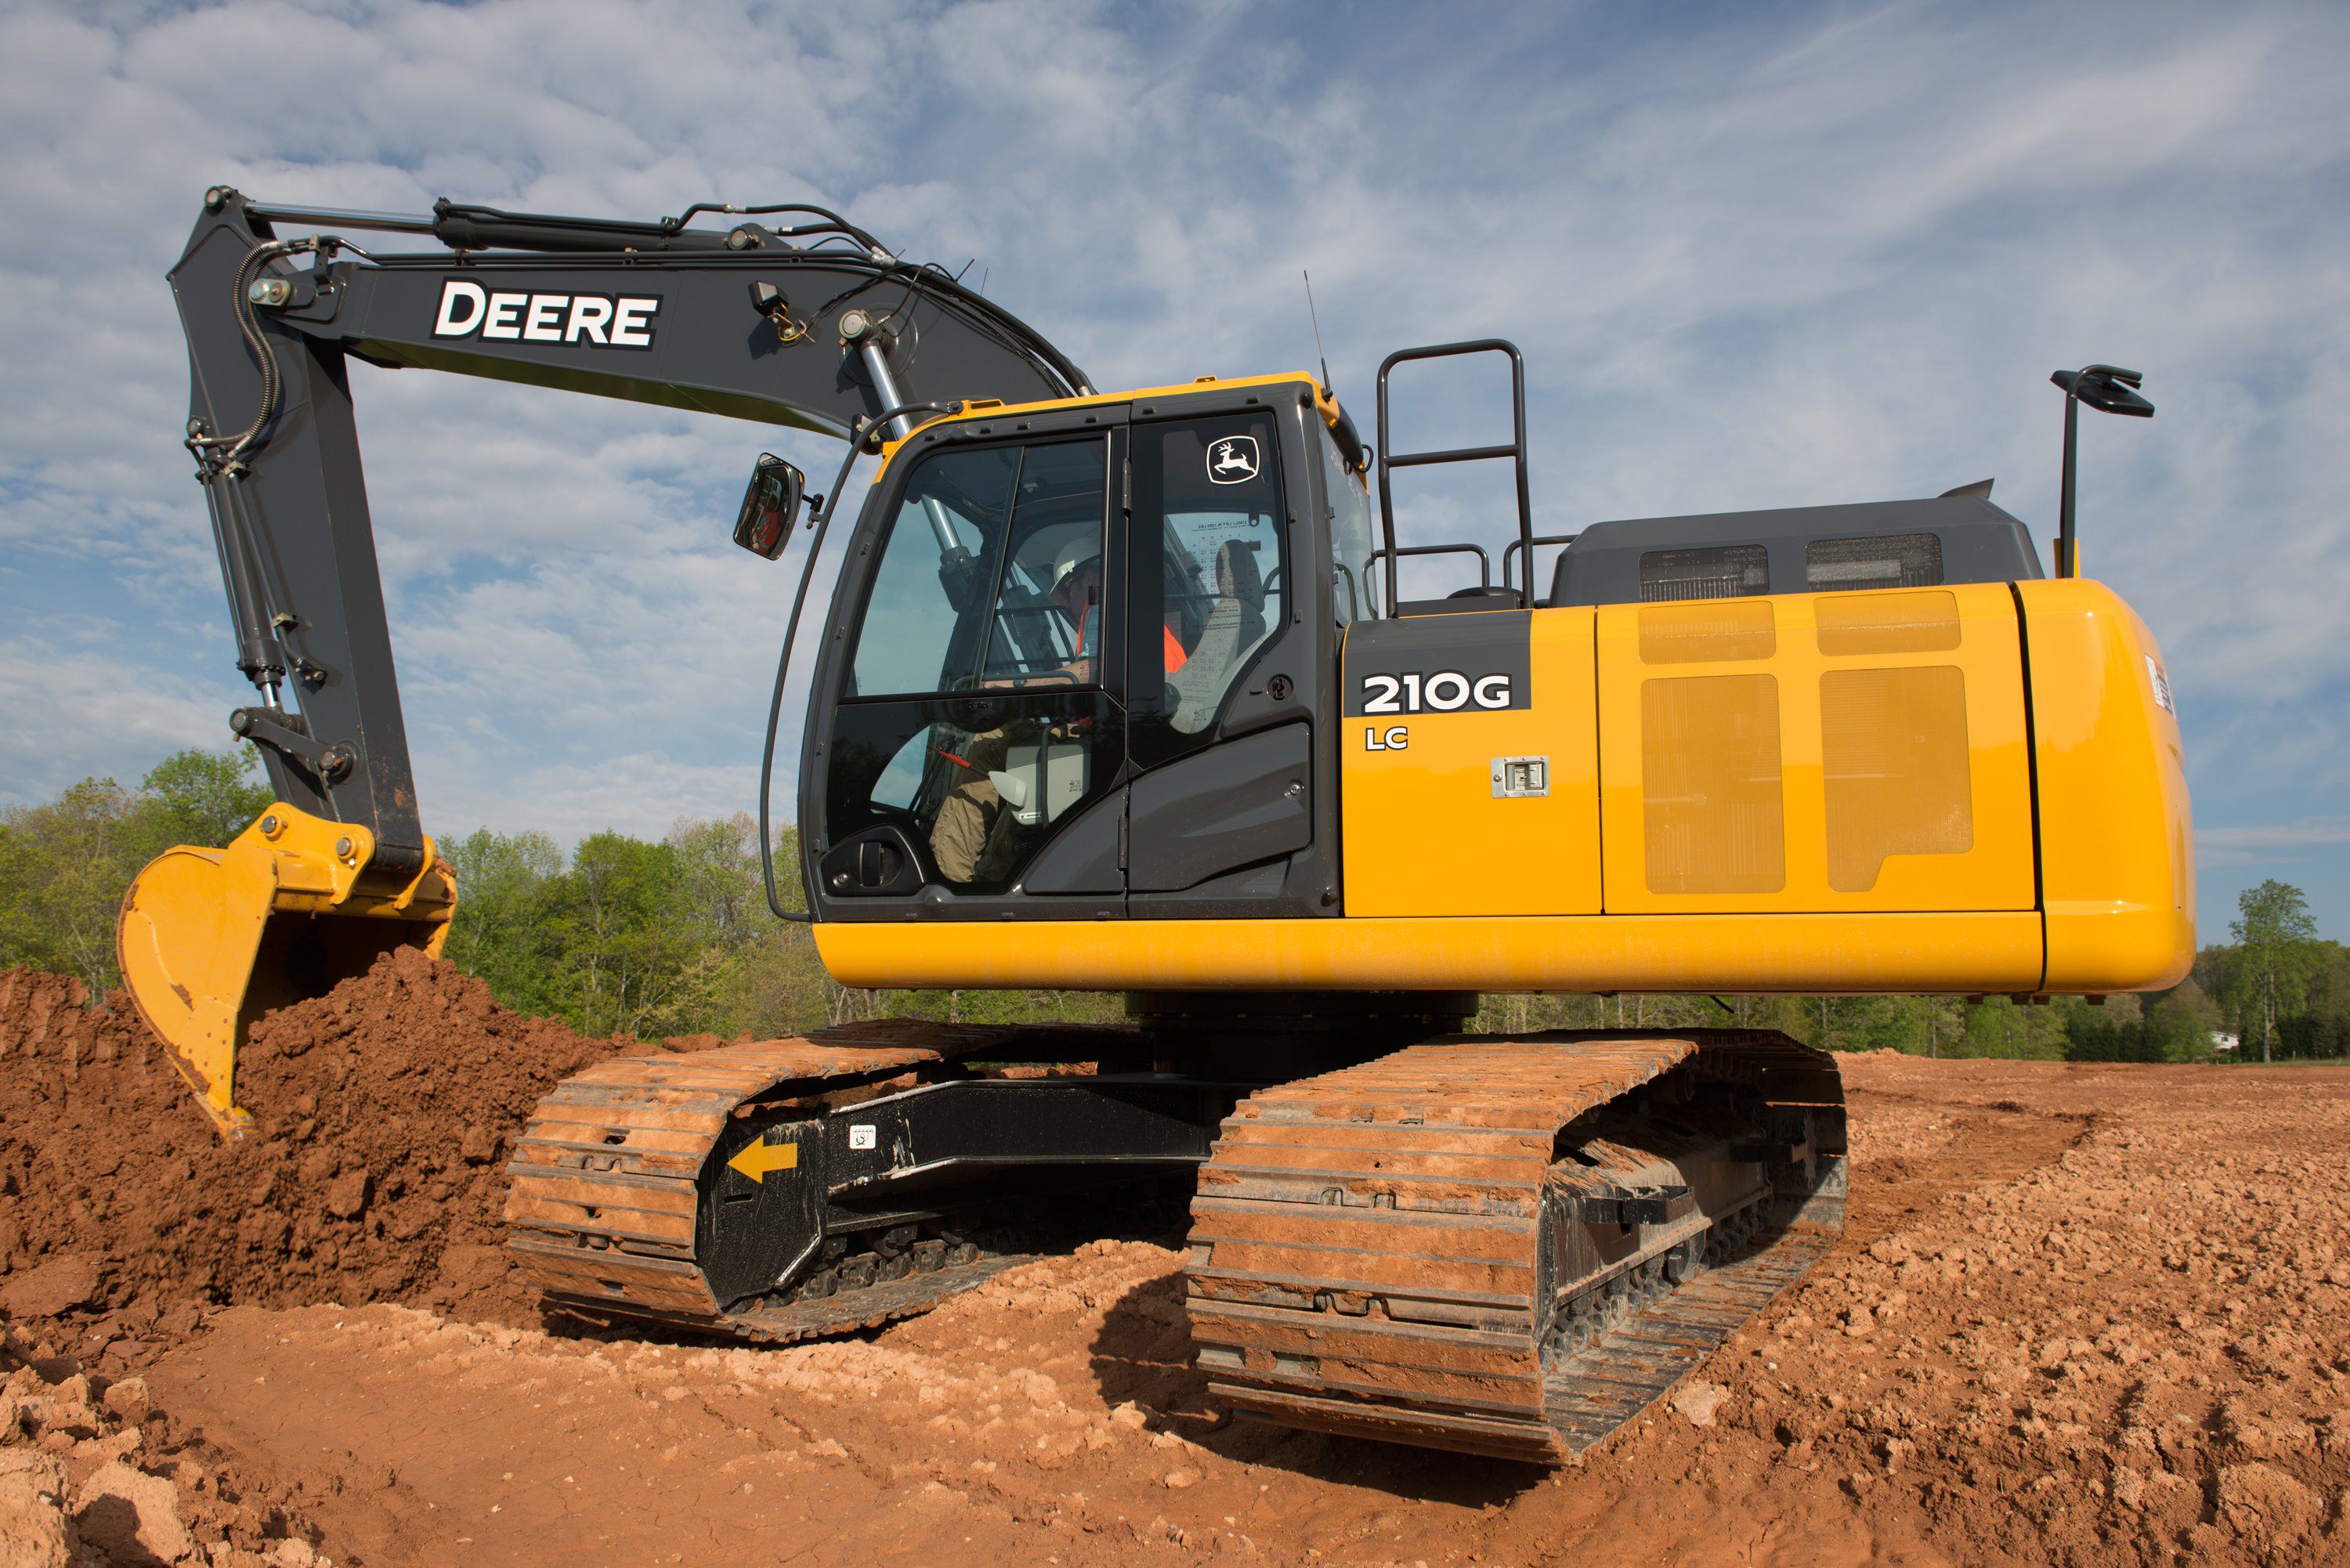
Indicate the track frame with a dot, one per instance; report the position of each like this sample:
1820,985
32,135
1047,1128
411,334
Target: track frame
1508,1246
793,1188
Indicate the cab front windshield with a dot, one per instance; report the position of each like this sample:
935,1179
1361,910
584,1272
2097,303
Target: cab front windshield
992,576
972,717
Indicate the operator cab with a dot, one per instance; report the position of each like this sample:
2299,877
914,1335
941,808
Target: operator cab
1072,670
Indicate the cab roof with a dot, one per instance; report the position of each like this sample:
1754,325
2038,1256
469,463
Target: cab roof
991,408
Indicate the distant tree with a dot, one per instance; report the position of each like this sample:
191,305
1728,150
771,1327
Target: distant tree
507,889
1917,1025
2182,1023
2323,1028
718,878
1996,1026
66,862
622,923
2119,1031
62,875
205,797
2276,949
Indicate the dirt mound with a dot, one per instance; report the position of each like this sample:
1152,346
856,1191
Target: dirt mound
384,1111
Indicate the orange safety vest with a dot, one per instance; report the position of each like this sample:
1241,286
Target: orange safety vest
1174,646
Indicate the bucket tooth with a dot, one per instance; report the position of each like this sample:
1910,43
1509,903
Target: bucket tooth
209,939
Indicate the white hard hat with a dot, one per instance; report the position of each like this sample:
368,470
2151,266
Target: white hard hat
1081,550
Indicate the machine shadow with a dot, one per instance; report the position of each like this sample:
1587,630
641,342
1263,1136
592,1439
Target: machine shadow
1142,1357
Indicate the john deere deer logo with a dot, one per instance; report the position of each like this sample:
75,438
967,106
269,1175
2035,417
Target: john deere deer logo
1231,460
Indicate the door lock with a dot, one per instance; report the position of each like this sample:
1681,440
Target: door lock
1516,778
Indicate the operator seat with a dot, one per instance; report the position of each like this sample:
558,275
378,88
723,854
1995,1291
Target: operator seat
1235,625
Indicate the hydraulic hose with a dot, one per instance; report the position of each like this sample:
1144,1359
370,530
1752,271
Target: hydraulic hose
232,460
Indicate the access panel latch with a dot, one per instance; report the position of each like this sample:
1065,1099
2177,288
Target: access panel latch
1520,778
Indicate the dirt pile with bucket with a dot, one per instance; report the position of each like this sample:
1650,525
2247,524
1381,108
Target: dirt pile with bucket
384,1112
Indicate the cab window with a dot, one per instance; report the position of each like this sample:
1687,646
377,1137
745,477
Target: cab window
991,576
1353,588
972,717
1210,579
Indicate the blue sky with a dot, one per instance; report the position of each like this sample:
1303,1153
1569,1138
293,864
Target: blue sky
1755,257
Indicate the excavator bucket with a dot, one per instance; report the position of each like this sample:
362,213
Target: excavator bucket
212,938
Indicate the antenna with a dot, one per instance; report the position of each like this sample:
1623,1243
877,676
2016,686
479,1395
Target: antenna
1311,316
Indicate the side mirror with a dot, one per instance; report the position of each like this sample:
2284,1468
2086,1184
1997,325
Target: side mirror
770,506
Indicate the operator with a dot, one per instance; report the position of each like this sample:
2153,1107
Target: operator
972,838
1076,588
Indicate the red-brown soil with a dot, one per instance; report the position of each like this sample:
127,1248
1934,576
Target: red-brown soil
384,1111
2082,1314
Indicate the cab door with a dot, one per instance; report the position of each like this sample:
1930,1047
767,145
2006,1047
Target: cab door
969,733
1226,641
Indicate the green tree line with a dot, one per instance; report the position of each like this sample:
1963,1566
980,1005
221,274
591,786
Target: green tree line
626,935
670,938
64,863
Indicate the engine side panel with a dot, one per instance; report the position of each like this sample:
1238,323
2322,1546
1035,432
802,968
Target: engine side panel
1816,753
1806,753
1434,706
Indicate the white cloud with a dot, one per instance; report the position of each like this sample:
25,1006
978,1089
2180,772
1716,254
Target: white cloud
2273,841
73,709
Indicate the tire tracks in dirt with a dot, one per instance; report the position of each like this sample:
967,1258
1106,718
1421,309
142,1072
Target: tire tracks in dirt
2016,1140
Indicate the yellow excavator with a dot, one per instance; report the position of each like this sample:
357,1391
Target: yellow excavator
1118,690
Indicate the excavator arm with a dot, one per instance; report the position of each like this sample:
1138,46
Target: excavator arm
747,322
809,323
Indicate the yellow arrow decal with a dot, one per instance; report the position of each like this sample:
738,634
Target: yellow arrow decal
758,1158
